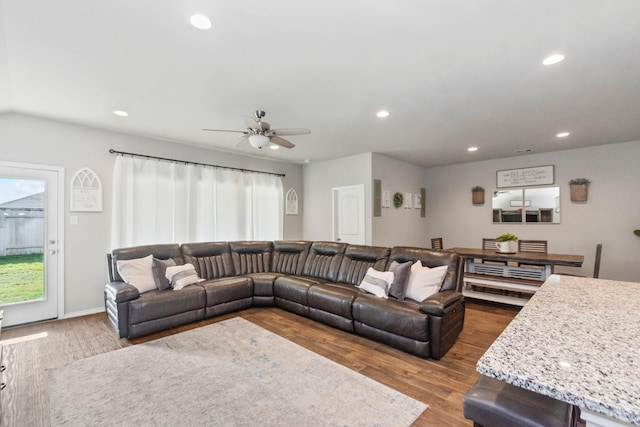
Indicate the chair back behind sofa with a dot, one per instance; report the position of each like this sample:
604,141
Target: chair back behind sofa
357,260
251,257
324,260
211,260
432,258
289,256
160,251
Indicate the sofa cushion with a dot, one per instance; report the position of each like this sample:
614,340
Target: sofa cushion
251,257
138,273
324,260
161,251
210,259
357,259
289,256
377,282
398,317
158,304
333,298
294,288
227,289
401,272
263,283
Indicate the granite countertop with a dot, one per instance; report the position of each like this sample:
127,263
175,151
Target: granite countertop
576,340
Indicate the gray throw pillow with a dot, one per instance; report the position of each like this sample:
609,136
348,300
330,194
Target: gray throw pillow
159,267
401,272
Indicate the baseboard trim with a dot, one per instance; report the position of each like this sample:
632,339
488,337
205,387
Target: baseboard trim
83,312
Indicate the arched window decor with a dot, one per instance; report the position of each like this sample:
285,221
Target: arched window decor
292,202
86,191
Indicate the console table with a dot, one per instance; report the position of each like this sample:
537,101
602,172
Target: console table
488,268
576,341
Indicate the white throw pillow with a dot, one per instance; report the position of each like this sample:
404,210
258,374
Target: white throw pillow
377,282
137,272
424,281
181,276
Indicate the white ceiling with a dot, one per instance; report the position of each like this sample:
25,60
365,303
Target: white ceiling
453,74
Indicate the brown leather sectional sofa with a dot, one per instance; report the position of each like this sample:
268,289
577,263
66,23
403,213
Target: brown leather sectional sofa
313,279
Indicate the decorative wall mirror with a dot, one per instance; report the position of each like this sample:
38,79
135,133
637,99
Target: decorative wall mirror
527,205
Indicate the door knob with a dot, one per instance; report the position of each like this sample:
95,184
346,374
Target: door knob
52,252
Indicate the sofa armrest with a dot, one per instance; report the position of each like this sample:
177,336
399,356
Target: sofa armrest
438,303
121,291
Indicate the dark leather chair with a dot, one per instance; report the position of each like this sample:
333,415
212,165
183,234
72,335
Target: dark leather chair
491,403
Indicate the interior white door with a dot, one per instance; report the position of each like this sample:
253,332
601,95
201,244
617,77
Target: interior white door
349,214
30,261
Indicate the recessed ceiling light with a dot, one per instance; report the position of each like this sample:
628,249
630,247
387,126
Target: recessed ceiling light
307,161
274,146
120,113
472,149
382,113
553,59
201,22
563,134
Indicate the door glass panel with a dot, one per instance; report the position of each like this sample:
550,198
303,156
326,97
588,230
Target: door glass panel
22,245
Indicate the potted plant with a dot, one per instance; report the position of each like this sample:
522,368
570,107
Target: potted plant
507,242
579,187
477,195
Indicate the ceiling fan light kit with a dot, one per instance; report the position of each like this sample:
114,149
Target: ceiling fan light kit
258,141
259,133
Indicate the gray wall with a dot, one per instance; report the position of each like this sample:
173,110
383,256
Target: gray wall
319,178
609,216
399,226
33,140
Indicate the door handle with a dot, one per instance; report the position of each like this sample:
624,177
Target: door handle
52,252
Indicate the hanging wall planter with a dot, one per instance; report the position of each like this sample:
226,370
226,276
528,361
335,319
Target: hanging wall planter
579,189
477,195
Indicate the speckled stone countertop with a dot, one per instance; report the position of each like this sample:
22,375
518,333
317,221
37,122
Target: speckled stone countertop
576,340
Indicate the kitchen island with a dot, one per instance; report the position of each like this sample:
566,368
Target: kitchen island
576,340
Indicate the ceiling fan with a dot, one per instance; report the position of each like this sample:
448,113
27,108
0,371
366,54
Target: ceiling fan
259,133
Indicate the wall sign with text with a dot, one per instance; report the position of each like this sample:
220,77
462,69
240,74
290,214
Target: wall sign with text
539,175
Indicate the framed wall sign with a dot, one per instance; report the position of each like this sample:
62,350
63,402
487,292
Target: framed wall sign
291,205
86,192
539,175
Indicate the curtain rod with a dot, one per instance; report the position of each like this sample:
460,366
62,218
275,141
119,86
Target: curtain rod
124,153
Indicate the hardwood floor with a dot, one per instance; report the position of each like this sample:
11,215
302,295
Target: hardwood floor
440,384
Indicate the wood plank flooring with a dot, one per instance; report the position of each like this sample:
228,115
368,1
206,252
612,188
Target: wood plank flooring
440,384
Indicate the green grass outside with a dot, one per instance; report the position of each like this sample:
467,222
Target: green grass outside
21,278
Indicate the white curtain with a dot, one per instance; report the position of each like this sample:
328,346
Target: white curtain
163,202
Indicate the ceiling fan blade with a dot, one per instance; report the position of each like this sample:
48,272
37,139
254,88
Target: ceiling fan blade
281,142
224,130
251,122
291,131
244,140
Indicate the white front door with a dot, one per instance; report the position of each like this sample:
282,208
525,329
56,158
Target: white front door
30,263
349,215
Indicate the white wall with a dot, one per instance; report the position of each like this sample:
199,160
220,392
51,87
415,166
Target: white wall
399,226
33,140
319,178
609,216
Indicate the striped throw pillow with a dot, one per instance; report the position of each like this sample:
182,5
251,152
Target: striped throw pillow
181,276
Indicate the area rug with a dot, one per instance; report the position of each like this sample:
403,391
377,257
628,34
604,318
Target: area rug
231,373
